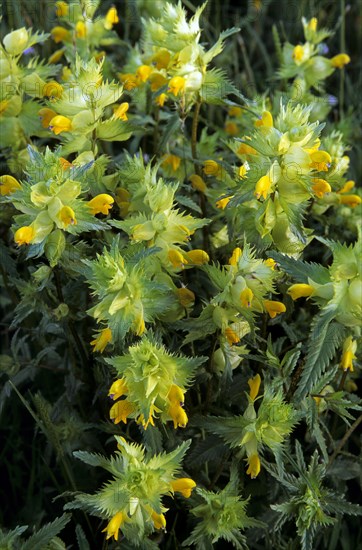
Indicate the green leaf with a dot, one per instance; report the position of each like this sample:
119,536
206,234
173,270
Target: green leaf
45,534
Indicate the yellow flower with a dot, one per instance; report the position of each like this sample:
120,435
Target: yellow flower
60,124
212,168
246,297
157,80
101,341
80,30
141,419
61,9
198,183
111,18
340,60
266,120
178,415
320,160
253,466
3,106
298,53
46,115
114,525
101,204
347,186
64,163
120,411
53,89
197,257
300,291
162,59
348,354
270,263
67,216
235,111
231,336
243,170
56,56
245,149
320,187
159,520
274,307
235,257
121,110
24,235
177,85
231,128
183,485
185,296
176,258
160,99
59,34
8,185
222,203
312,24
254,385
139,324
173,161
262,188
118,389
129,81
143,72
350,200
176,395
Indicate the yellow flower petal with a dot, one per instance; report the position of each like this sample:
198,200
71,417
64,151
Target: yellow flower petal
176,258
53,90
253,466
121,110
231,336
176,395
183,485
340,60
120,411
177,85
102,339
246,297
178,415
197,257
300,291
60,124
350,200
101,204
8,185
347,186
262,188
185,296
67,216
320,187
24,235
235,257
254,385
118,389
274,307
59,34
111,18
114,525
61,9
198,183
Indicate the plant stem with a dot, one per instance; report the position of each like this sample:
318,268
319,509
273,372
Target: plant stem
343,49
195,122
344,440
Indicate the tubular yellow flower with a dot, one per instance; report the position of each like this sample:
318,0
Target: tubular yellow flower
53,90
185,296
350,200
160,100
61,9
320,187
101,204
262,188
253,466
176,258
129,81
177,85
320,160
139,324
243,171
64,163
143,72
298,53
67,216
348,354
300,291
235,111
312,24
159,520
198,183
157,80
254,385
246,297
212,168
222,203
101,340
56,56
183,485
266,120
60,124
347,186
145,423
173,161
118,389
114,525
231,336
231,128
270,263
178,416
235,257
8,185
120,411
59,34
245,149
340,60
274,307
80,30
162,59
46,115
111,18
24,235
121,110
176,395
197,257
